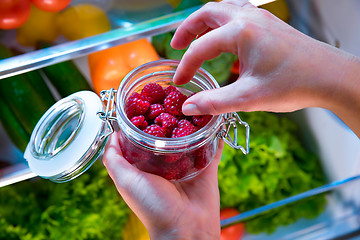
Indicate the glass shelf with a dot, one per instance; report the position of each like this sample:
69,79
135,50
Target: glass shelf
340,217
74,49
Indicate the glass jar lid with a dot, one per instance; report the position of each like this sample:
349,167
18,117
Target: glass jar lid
68,138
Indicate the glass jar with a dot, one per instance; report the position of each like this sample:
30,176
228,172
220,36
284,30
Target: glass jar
73,133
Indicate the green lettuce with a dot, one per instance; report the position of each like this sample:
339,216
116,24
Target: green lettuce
277,167
86,208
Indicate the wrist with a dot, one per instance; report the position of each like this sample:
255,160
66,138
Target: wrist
186,235
346,95
187,231
342,84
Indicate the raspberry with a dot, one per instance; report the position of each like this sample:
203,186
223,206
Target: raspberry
135,95
139,122
170,89
201,120
178,169
167,123
170,158
155,110
136,105
131,151
154,130
173,103
200,157
154,92
183,129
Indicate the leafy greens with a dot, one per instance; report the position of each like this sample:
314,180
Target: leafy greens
86,208
277,167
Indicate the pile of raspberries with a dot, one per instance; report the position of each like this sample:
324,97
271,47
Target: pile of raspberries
158,112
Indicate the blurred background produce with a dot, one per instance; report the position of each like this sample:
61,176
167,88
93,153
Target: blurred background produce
26,97
82,20
108,67
14,13
88,208
278,166
39,27
233,232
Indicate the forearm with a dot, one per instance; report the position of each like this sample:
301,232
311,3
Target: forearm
339,86
345,100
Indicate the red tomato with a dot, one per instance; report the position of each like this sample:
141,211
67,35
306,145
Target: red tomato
51,5
233,232
14,13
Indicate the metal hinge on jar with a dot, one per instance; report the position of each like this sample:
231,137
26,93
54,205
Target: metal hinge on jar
108,97
230,121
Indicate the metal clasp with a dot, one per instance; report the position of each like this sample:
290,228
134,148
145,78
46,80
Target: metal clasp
107,116
231,120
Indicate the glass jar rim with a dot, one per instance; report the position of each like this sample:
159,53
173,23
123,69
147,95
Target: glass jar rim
141,137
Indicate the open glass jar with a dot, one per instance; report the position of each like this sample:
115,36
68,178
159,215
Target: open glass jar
73,133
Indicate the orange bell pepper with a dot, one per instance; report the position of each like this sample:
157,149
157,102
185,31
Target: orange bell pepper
108,67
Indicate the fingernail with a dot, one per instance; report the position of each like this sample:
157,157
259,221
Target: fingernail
191,109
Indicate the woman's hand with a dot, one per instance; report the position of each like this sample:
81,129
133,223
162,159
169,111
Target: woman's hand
184,210
281,69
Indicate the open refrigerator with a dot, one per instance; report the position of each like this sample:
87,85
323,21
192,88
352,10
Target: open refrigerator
321,131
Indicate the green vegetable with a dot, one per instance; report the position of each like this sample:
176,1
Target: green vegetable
65,77
13,127
37,81
22,97
88,208
219,67
277,167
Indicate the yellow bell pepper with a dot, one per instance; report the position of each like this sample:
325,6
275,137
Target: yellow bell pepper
135,229
279,8
40,26
82,20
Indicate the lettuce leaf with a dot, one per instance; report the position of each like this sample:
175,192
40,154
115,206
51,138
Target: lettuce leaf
277,167
88,208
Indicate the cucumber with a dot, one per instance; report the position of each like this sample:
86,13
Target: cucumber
22,98
66,78
38,82
36,79
12,126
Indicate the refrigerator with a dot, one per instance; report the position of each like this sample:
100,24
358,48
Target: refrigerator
320,131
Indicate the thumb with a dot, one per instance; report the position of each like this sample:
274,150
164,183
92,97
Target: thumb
216,101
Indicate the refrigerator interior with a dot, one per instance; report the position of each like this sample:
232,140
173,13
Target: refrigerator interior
334,22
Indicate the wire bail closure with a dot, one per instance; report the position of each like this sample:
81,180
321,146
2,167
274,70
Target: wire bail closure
231,120
108,96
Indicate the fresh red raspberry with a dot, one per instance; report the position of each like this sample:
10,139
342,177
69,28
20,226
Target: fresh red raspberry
170,89
155,110
154,130
201,157
167,123
170,158
135,95
154,92
183,129
139,122
178,169
201,120
136,105
173,103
